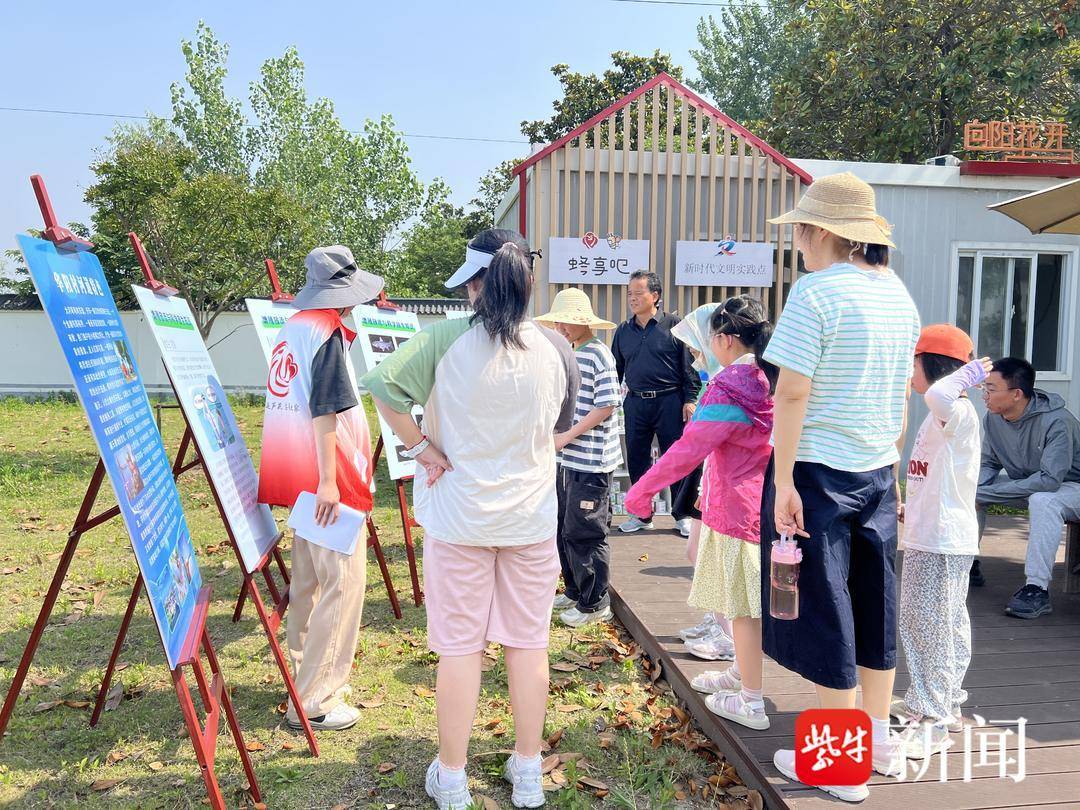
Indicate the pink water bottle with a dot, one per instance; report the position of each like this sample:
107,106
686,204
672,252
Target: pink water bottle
784,576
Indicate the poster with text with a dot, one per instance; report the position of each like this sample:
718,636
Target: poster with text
77,300
592,259
380,332
268,317
217,436
724,264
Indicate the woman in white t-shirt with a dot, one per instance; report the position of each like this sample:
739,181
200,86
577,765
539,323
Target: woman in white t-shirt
941,538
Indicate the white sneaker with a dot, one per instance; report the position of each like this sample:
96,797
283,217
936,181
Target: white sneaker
784,760
717,646
456,797
923,740
699,630
732,706
904,713
339,718
635,524
562,602
527,779
683,526
717,680
576,618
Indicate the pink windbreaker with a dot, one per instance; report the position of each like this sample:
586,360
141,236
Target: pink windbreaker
732,426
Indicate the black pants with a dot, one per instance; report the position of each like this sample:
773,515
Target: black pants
645,418
584,515
685,496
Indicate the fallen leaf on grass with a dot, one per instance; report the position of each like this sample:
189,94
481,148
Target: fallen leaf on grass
605,740
288,746
564,666
564,758
756,802
77,704
255,745
558,777
156,765
114,696
486,803
554,739
37,680
99,596
101,785
46,705
371,704
575,658
114,757
592,784
549,763
386,767
424,692
568,708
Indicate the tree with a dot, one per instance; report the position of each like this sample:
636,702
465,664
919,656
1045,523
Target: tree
584,95
492,188
743,54
896,82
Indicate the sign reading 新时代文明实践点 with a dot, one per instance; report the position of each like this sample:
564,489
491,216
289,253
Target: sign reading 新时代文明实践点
725,263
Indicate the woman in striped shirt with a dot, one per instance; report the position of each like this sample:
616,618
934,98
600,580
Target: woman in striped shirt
844,344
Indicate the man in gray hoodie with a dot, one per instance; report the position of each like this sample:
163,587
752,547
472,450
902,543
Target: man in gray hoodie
1030,435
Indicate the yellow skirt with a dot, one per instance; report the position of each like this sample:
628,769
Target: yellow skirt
727,579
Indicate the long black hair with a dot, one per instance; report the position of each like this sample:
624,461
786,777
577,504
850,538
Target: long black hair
508,280
743,317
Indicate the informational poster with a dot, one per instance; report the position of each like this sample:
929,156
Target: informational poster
268,317
82,311
457,314
221,445
724,264
380,332
593,259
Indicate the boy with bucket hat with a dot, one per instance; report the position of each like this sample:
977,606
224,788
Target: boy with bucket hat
589,453
315,439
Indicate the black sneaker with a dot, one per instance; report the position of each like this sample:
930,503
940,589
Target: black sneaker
1030,602
975,576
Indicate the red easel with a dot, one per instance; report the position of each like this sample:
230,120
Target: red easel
277,294
213,693
407,521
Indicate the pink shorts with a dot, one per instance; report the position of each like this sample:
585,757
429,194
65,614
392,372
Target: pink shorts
479,594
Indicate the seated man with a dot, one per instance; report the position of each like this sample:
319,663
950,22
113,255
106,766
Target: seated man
1030,435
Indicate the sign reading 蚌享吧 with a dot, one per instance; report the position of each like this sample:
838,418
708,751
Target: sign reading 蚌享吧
592,259
724,264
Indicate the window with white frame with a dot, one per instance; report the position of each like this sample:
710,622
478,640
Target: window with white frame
1012,303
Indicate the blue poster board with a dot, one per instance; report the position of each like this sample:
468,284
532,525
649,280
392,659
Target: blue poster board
77,299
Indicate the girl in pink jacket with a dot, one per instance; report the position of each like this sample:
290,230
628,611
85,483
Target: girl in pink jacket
732,426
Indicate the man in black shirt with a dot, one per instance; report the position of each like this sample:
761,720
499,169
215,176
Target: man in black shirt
662,386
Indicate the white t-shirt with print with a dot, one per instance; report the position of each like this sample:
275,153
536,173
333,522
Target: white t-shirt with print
942,477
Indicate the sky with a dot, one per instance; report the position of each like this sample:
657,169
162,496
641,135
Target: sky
468,69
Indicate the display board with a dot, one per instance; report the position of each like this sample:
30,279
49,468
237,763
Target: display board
458,314
592,259
380,332
724,264
268,317
81,309
221,446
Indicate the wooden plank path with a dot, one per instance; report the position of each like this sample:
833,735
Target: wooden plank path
1019,668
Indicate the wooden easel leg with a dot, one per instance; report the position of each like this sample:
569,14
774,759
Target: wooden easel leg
406,527
283,666
376,546
230,716
239,609
82,524
195,734
103,692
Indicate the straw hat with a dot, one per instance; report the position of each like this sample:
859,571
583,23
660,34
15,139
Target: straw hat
573,306
844,205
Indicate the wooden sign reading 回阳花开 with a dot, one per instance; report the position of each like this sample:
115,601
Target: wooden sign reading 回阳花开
1020,140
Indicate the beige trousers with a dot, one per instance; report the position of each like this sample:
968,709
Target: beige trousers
326,599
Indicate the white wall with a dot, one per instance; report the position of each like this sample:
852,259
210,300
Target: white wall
35,365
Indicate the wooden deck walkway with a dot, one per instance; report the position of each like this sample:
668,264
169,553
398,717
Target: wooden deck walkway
1019,668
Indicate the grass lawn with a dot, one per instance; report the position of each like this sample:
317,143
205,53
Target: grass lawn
620,740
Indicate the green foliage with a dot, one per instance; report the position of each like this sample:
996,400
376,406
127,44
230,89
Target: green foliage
586,94
492,187
896,82
743,52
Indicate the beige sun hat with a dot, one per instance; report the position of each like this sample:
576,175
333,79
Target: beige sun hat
841,204
573,306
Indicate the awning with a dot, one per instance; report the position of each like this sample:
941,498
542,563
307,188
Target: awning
1052,210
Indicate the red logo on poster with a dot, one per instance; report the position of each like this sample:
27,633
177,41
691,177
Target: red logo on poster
282,370
590,239
833,747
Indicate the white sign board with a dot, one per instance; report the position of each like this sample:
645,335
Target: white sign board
380,332
457,314
268,317
724,264
592,259
206,408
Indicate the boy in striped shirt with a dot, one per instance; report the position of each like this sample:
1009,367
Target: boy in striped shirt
589,453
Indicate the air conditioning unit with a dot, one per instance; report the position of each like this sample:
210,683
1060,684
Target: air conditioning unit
943,160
